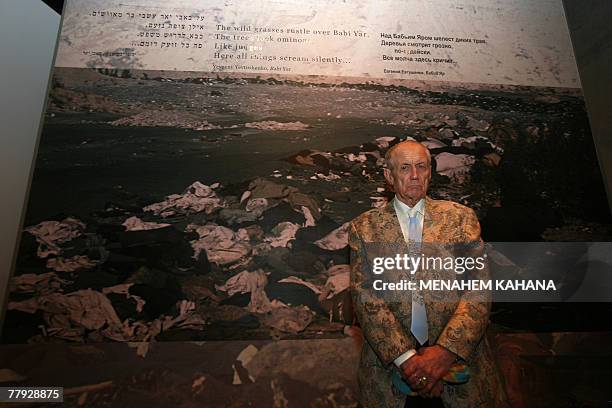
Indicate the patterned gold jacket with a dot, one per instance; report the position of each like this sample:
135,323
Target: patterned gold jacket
458,325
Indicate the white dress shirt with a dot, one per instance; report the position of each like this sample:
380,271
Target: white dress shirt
404,212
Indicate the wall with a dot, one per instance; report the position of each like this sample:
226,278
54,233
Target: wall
591,35
28,33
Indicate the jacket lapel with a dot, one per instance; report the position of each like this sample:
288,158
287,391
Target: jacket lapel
392,232
391,227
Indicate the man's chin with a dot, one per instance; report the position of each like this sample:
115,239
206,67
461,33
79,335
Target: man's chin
415,193
412,198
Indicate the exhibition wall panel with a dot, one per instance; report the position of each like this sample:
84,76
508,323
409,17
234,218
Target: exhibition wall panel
198,165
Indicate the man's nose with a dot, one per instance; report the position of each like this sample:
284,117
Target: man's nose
413,172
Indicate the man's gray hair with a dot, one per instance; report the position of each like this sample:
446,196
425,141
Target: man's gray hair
389,154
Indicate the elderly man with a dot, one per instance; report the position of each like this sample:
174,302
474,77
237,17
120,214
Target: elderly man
419,337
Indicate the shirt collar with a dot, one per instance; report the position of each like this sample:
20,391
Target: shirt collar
419,207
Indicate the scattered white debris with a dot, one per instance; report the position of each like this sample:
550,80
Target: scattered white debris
470,143
49,234
222,245
273,125
294,279
245,357
40,284
310,221
245,195
84,308
384,141
169,118
379,202
330,177
338,281
247,354
289,319
257,205
196,198
75,263
142,347
282,234
136,224
335,240
479,125
253,283
446,133
455,166
432,143
198,384
360,158
124,289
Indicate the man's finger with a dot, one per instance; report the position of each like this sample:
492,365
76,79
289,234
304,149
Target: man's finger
413,381
432,390
426,390
437,390
420,382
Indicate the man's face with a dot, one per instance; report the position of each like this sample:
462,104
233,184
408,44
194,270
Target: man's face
410,173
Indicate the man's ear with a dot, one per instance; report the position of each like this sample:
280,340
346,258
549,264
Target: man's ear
388,176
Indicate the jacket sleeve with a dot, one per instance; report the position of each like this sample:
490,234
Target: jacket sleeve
381,328
468,323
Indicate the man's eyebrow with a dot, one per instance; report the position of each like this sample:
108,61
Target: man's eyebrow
409,162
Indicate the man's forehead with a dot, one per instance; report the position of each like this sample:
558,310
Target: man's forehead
409,154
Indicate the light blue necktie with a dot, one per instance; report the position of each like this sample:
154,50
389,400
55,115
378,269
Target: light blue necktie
418,324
